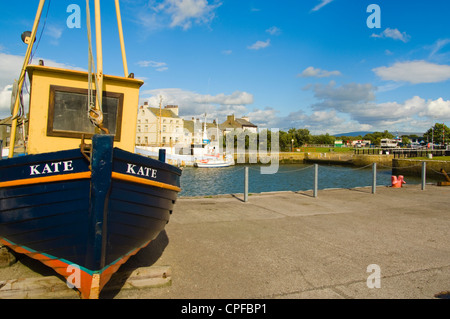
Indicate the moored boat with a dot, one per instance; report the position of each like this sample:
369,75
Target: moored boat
80,200
214,161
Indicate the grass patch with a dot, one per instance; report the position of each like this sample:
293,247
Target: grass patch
325,149
435,158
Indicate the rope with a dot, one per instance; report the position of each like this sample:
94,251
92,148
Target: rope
352,169
42,32
440,173
94,115
296,170
288,171
407,166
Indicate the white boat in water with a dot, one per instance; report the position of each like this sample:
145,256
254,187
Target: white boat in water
211,156
214,161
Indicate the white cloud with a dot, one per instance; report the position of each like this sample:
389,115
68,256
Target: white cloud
158,66
436,49
343,98
437,109
274,31
357,101
5,101
266,118
393,34
181,13
10,66
236,98
317,73
338,109
322,4
54,33
259,45
193,104
414,72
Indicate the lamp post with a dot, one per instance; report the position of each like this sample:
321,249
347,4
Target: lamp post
292,145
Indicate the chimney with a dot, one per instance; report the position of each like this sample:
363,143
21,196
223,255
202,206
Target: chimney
230,119
173,108
145,103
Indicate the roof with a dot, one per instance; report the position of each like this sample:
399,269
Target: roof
189,125
245,122
233,123
164,112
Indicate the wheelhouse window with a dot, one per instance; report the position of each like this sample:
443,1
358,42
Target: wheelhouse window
68,113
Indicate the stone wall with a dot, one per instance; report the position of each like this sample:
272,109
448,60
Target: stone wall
413,167
322,158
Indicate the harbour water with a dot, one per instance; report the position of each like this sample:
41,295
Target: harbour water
290,177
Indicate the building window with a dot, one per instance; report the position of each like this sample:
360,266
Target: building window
146,128
164,128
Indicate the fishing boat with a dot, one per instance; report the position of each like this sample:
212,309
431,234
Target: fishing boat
80,200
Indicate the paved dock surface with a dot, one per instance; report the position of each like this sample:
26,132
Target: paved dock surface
290,245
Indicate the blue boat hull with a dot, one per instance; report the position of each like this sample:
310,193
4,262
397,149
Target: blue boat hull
93,215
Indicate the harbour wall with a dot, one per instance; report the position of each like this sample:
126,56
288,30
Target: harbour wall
321,158
412,167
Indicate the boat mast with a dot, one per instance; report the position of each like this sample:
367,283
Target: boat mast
22,78
122,42
160,124
98,37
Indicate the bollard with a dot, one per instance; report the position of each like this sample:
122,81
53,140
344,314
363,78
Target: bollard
316,179
374,178
424,174
246,185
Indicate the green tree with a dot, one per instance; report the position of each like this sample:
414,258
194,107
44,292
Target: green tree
323,139
405,140
438,133
285,141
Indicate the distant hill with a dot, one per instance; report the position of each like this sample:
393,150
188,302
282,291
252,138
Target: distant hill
362,133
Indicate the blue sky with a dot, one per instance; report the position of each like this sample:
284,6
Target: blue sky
312,64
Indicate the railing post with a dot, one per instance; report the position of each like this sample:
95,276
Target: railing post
246,185
316,179
424,174
374,178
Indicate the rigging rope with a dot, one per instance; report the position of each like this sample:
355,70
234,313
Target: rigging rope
95,115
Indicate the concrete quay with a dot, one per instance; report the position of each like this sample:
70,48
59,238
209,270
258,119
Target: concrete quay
290,245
